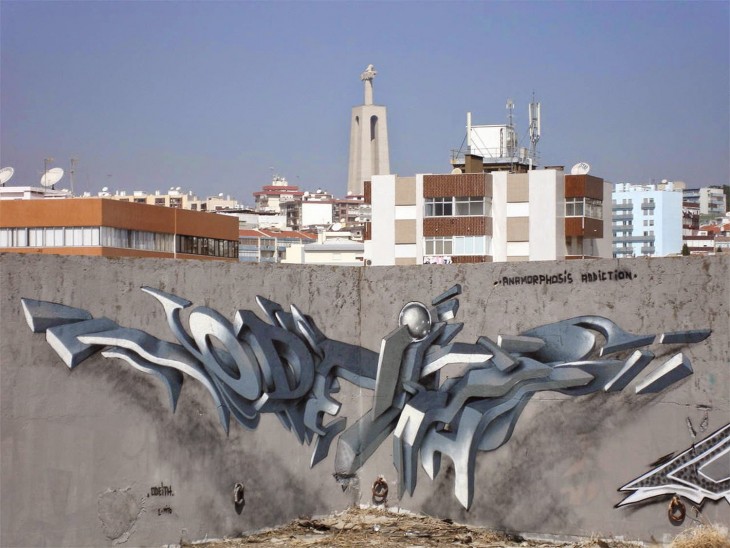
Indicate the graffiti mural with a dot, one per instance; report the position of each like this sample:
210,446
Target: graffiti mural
698,473
288,367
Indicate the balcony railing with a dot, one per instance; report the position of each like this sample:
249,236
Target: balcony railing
623,217
647,239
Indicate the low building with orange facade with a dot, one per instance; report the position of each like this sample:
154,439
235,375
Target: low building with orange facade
109,228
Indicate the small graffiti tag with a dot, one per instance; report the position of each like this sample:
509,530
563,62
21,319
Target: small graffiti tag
161,490
165,510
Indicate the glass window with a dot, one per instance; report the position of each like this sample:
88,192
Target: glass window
21,237
469,206
439,207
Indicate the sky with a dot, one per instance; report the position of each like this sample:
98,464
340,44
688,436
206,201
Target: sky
219,96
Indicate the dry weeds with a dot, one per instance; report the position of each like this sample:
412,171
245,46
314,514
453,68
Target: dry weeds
356,528
703,536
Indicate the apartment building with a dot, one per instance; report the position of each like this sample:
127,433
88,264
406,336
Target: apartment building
109,228
270,246
483,217
711,200
175,198
272,197
647,221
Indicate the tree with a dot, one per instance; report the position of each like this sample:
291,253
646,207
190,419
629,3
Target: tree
685,250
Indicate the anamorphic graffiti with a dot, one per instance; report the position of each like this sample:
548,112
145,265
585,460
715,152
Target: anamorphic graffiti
700,472
288,367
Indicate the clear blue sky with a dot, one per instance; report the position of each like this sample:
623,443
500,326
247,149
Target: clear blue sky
211,95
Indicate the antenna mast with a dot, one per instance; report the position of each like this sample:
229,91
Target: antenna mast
511,141
71,173
534,114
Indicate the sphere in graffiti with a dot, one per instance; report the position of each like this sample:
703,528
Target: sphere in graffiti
416,317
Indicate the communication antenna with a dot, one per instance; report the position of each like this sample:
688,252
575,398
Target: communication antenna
6,174
71,173
511,128
534,113
51,177
581,168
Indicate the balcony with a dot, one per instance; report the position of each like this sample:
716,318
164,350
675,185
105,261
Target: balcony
648,250
623,217
632,239
645,206
622,207
623,250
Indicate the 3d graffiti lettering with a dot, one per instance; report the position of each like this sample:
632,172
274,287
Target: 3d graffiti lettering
698,473
290,368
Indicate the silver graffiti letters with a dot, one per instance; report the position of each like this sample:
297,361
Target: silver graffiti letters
288,367
698,473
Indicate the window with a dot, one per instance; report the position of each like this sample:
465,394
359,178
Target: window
469,206
584,207
460,206
438,245
439,207
213,247
456,245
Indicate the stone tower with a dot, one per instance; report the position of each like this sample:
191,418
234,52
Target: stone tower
368,139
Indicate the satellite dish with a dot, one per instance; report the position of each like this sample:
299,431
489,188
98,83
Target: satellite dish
178,188
51,177
581,168
6,174
336,227
105,189
456,171
220,195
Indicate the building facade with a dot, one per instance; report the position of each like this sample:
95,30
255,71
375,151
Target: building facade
484,217
271,198
175,198
711,200
270,246
647,221
109,228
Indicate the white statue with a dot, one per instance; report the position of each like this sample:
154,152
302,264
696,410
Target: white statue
369,73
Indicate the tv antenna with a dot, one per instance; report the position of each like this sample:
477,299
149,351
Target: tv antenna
6,174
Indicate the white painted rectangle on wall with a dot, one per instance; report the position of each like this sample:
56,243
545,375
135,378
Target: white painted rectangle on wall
521,209
405,250
515,249
405,213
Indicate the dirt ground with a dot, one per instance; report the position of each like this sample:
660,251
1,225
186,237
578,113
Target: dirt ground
358,527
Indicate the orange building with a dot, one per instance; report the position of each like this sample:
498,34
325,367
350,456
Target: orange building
108,228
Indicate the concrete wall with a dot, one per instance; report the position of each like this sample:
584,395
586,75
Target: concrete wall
88,454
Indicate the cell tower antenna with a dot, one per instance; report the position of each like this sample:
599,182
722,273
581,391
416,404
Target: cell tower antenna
534,114
511,141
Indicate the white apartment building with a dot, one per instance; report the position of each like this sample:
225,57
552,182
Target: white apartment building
647,221
537,215
710,199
